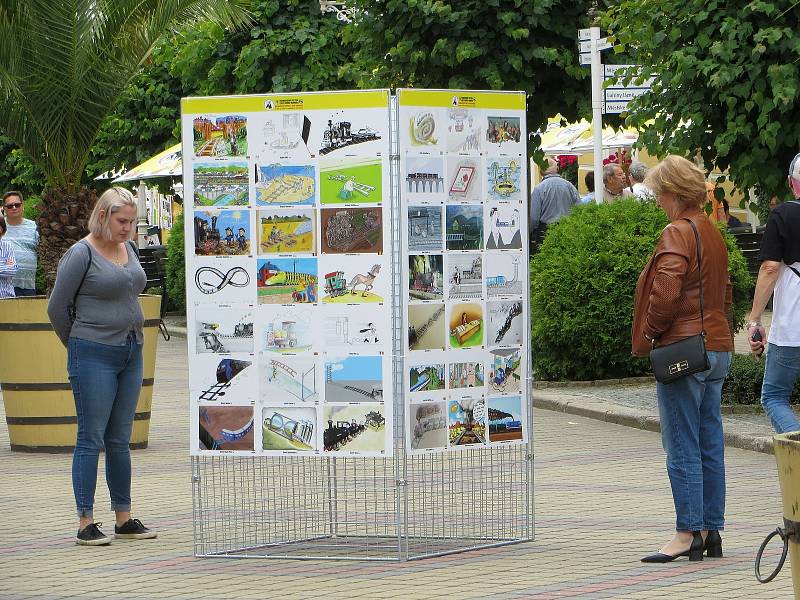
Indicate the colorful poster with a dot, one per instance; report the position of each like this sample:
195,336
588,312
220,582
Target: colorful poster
289,273
465,268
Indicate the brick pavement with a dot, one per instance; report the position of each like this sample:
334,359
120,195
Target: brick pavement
602,501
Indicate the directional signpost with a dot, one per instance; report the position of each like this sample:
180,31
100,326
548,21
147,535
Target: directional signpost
617,95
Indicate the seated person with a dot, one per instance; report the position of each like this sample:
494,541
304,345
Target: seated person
589,180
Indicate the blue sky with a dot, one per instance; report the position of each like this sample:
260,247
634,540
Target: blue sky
357,368
509,404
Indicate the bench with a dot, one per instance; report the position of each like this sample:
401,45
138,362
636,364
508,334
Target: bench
154,262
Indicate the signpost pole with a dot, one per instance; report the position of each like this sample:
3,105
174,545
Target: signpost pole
597,114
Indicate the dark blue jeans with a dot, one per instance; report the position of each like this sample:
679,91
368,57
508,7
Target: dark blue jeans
106,381
691,433
780,374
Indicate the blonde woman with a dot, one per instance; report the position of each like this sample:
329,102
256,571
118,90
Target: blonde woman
95,312
667,309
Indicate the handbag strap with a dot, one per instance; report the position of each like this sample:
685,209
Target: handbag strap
700,272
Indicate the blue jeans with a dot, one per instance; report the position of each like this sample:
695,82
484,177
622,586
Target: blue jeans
780,374
106,381
691,433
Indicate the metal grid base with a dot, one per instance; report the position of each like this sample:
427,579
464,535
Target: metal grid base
342,508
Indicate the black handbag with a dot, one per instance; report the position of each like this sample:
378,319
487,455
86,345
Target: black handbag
673,361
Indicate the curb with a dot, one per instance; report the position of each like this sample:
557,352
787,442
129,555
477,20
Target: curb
630,417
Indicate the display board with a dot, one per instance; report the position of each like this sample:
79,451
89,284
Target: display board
288,273
465,278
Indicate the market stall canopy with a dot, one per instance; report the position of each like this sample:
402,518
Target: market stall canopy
577,138
164,164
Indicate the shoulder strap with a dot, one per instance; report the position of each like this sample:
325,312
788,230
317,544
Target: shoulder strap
134,247
700,270
88,265
795,271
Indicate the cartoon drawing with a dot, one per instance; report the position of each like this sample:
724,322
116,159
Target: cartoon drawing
463,131
467,422
285,184
354,428
505,418
354,379
428,425
287,280
225,428
426,378
289,330
464,227
366,280
503,175
220,184
505,323
465,375
424,228
352,280
503,274
426,327
286,232
283,133
464,276
504,374
350,230
288,428
213,232
504,227
226,371
464,181
220,136
424,175
345,329
422,129
425,277
466,325
351,182
224,334
289,378
503,130
341,134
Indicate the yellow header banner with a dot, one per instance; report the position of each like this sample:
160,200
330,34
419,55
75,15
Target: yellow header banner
462,99
282,102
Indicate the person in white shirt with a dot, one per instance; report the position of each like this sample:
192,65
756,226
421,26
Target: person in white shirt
23,237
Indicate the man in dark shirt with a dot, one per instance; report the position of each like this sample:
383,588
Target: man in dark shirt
732,221
780,272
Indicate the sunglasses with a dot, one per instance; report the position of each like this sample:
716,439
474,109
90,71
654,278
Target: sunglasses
14,205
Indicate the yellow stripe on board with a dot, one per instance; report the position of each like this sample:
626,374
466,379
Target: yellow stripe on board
282,102
462,99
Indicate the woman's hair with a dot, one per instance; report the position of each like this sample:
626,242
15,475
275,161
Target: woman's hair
110,201
676,175
3,225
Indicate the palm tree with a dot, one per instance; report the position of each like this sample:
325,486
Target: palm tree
63,66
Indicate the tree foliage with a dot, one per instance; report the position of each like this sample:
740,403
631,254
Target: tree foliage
474,44
582,285
291,46
727,82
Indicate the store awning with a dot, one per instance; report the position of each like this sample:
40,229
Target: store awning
164,164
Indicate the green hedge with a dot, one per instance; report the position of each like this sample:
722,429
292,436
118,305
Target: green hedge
582,285
176,267
743,384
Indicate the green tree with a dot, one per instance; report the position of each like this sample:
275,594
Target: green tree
475,44
291,46
726,82
63,66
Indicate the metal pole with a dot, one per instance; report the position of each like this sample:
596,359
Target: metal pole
597,114
141,210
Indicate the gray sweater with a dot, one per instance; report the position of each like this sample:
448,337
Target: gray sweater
107,304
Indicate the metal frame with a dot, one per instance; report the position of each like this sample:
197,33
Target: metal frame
405,507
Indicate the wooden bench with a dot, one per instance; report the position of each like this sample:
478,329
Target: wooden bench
154,262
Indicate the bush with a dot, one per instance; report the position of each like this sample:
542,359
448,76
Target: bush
743,384
582,285
176,267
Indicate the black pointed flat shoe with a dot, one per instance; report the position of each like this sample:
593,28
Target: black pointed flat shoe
695,552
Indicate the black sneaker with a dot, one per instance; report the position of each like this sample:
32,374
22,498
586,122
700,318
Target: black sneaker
92,536
133,529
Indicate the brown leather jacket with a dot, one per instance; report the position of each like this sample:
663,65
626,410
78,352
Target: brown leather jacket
667,299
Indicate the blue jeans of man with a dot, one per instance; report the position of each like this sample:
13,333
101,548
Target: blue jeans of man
780,374
106,381
691,433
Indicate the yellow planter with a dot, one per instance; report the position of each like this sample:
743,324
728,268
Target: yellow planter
40,410
787,455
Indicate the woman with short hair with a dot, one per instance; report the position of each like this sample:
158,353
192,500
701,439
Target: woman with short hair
96,314
667,309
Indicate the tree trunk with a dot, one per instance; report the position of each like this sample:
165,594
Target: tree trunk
62,221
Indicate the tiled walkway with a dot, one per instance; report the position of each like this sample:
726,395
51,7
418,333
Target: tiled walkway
602,501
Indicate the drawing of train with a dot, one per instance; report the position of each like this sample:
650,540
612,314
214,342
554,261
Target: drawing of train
341,433
497,280
335,284
339,135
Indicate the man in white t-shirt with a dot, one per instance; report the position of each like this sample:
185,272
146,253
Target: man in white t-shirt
780,272
24,238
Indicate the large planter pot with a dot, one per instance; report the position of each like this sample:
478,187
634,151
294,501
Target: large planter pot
40,409
787,455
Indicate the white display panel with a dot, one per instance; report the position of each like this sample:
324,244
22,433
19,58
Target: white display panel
288,273
465,278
